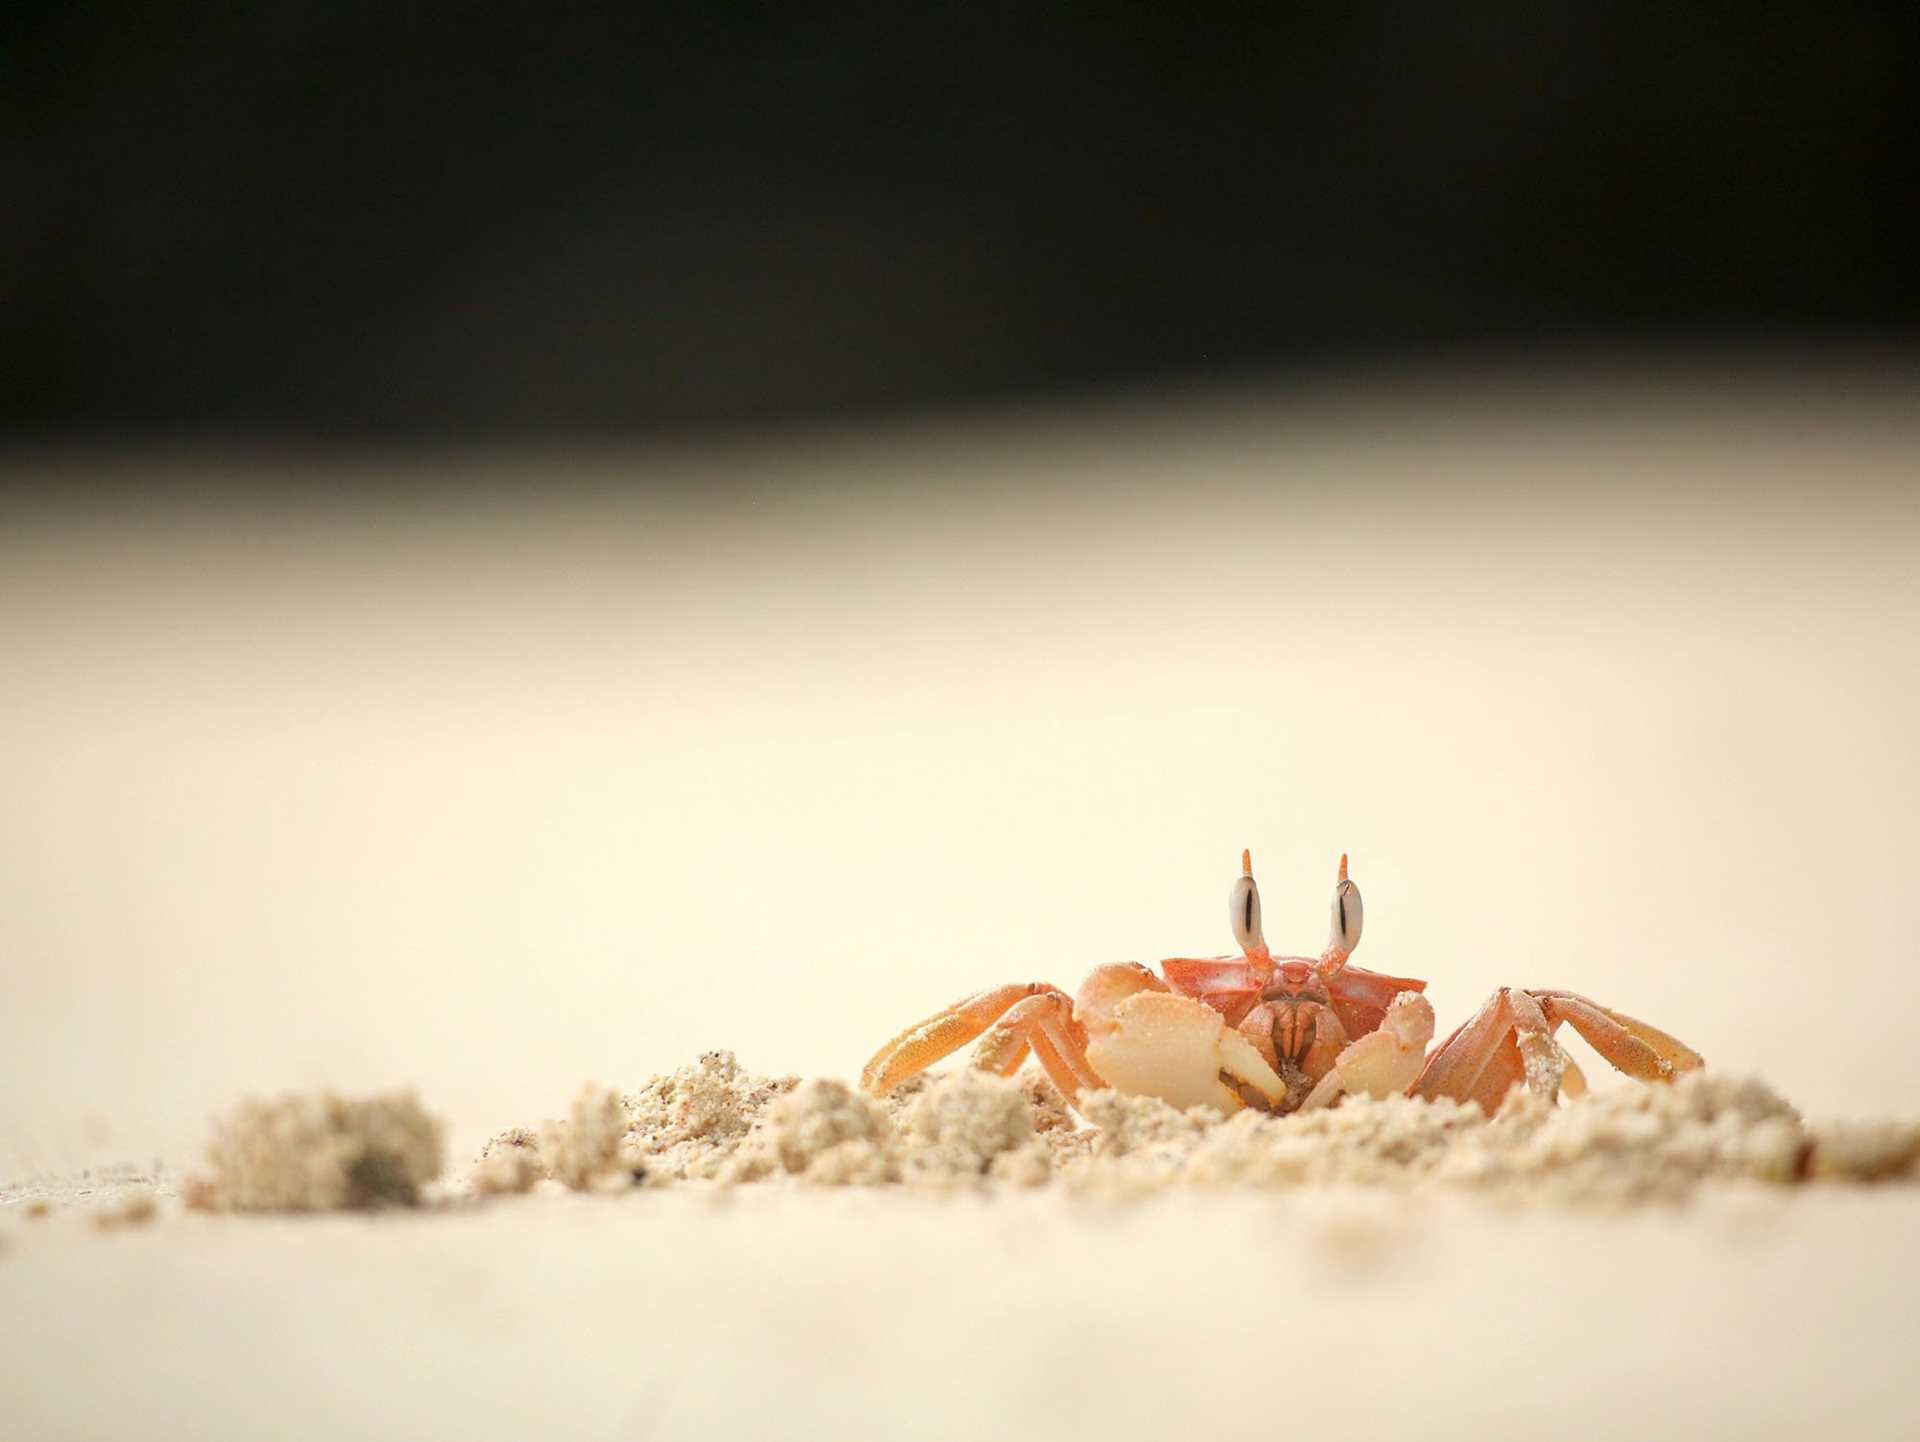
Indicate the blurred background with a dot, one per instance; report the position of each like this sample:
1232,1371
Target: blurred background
294,220
540,543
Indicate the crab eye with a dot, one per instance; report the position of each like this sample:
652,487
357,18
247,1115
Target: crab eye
1243,907
1347,915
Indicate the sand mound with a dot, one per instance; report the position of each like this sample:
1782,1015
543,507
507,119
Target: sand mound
1624,1144
687,1124
584,1151
823,1132
717,1124
318,1152
714,1122
510,1163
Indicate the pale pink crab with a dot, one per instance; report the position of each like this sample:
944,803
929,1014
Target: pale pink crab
1276,1032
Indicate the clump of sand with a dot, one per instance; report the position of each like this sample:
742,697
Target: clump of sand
318,1152
955,1131
684,1126
1621,1145
971,1124
687,1124
509,1164
823,1132
584,1152
714,1122
1869,1151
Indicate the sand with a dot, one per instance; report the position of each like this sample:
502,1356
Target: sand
1189,1278
715,1125
714,1122
721,1253
321,1153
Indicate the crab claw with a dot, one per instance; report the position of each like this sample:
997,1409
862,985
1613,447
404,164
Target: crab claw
1382,1062
1157,1043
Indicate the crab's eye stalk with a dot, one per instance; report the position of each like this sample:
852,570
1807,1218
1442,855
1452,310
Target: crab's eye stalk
1243,908
1347,916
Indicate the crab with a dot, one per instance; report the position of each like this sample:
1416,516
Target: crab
1276,1033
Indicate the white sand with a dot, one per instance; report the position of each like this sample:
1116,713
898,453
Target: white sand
868,1314
869,1270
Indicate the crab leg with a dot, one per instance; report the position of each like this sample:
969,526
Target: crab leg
1510,1039
923,1044
1540,1055
1478,1062
1573,1081
1046,1022
1002,1049
1631,1046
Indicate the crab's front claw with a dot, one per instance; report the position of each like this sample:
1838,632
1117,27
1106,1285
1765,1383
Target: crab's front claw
1157,1043
1383,1062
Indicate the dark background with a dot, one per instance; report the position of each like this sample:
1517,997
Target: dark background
348,220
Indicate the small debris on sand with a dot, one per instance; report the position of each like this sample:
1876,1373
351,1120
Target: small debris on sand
1865,1151
509,1164
135,1210
320,1152
713,1122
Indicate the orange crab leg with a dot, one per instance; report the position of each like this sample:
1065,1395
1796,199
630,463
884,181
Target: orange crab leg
1540,1055
1066,1064
1671,1050
923,1044
1511,1038
1633,1047
1048,1025
1573,1081
1478,1063
1002,1049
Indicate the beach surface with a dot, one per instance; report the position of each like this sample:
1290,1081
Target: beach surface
858,1313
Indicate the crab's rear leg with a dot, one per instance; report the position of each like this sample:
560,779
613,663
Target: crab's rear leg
1508,1040
945,1032
1573,1081
1043,1024
1002,1049
1632,1046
